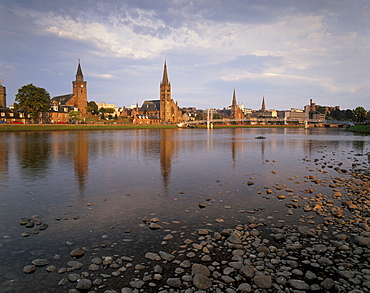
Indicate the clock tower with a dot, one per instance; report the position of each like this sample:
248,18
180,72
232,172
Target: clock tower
79,87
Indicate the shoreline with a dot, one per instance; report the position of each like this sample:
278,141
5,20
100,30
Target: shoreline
360,129
78,127
326,253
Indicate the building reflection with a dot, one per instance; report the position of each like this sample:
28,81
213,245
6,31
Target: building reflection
81,159
4,163
168,148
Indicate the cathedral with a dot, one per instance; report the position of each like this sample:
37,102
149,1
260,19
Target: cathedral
162,111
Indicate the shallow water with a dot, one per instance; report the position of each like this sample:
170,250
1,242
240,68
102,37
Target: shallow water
93,188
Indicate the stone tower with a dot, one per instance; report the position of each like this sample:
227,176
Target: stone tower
165,97
2,95
79,87
235,111
233,107
263,108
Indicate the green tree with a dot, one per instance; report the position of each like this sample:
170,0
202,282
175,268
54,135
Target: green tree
199,117
360,114
216,116
32,100
75,116
349,115
92,107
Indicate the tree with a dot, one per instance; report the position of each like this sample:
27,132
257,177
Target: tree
360,114
92,107
74,116
32,100
216,116
199,117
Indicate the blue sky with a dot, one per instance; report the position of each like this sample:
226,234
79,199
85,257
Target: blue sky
287,51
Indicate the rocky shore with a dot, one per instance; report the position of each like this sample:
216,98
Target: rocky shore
327,250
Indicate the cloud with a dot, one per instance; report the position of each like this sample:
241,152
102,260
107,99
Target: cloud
103,76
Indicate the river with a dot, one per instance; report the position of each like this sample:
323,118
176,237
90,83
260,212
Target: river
93,188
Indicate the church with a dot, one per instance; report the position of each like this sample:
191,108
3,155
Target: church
162,111
76,101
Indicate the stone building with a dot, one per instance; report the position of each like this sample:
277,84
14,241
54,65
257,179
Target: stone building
70,102
169,111
235,111
162,111
2,95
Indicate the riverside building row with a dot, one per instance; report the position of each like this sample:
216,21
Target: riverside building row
162,111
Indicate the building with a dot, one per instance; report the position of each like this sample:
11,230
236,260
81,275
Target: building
169,111
71,102
263,113
162,111
235,111
2,95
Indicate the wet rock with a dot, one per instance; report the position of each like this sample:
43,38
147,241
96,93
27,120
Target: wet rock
155,226
77,252
152,256
75,264
29,269
40,262
84,284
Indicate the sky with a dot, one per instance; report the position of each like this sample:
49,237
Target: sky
287,51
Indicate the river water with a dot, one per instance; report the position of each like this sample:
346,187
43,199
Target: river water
93,188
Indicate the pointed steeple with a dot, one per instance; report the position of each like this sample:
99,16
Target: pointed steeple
263,108
234,99
165,76
79,75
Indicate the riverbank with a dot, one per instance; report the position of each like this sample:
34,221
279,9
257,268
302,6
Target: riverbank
74,127
360,128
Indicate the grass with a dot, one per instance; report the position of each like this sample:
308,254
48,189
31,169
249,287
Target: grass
360,128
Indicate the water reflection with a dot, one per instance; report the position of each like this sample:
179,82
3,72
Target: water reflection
34,151
168,149
4,162
81,159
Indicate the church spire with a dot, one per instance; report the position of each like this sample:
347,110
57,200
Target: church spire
263,109
165,76
79,75
234,98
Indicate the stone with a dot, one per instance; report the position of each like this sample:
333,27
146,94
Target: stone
174,282
306,231
152,256
155,226
299,284
200,269
43,227
137,284
40,262
166,256
201,281
263,282
77,252
203,232
84,284
73,277
327,284
248,271
75,264
29,269
244,287
362,240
